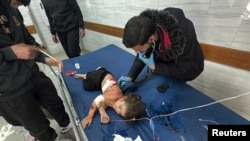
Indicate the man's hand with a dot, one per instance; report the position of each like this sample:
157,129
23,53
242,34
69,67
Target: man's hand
123,81
53,62
81,32
148,61
24,51
43,47
54,38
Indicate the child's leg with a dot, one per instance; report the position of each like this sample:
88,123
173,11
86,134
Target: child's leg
79,76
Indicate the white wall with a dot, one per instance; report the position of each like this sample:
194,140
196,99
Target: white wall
33,16
217,22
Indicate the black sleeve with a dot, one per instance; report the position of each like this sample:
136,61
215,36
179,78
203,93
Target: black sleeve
50,19
78,13
136,68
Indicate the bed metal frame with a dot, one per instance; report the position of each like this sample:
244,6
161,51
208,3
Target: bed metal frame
77,128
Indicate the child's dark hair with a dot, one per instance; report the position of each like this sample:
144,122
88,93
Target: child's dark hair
135,107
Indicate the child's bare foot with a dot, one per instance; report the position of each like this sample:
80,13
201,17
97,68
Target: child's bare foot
79,76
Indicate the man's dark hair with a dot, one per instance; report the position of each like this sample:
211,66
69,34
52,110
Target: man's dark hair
137,31
170,24
135,107
24,2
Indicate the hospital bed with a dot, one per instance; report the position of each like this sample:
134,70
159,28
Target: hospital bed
176,114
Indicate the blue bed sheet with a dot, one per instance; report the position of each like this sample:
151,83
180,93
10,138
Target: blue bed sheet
169,111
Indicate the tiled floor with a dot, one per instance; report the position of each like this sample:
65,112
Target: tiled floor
217,81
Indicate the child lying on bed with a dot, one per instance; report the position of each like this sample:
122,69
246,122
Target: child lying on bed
129,106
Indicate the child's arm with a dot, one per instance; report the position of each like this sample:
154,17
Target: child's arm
104,115
88,119
97,103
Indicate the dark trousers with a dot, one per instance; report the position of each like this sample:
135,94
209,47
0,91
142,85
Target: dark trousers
25,110
70,42
94,79
46,95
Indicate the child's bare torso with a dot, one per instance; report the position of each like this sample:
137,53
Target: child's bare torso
112,93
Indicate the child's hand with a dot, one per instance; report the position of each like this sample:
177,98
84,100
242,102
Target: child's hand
105,118
86,121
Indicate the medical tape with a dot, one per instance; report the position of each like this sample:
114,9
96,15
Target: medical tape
99,100
108,83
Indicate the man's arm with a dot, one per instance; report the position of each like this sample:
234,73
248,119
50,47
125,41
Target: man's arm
30,40
50,19
78,12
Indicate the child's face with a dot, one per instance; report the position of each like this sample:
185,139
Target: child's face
120,107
